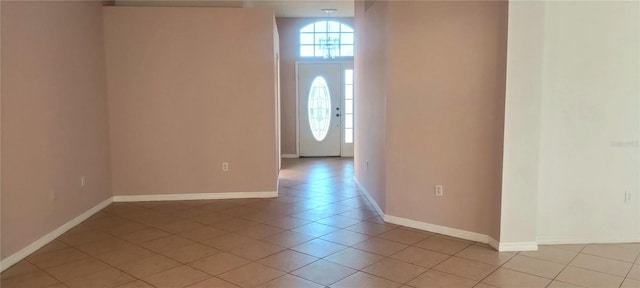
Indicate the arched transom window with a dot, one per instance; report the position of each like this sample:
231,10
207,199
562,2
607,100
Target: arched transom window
326,39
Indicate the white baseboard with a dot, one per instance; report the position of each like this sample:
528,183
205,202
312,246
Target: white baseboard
567,240
194,196
517,246
33,247
513,246
463,234
373,202
494,243
289,156
453,232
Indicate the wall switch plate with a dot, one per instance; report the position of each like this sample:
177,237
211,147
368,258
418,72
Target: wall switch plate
83,181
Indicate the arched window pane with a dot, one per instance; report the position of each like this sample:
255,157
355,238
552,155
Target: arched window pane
334,26
318,51
346,38
306,38
307,50
345,28
321,26
346,50
308,28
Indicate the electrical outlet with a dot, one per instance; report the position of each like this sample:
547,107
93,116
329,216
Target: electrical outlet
627,197
439,190
225,166
83,181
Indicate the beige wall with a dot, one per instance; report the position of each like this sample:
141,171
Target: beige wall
430,89
54,117
190,88
371,96
289,30
445,111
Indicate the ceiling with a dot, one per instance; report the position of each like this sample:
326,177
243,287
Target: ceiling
290,8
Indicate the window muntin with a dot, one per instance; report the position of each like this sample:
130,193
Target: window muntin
348,106
313,35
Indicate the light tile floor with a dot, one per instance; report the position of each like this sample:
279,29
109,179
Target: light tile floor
320,232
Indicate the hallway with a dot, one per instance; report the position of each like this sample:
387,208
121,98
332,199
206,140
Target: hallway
320,232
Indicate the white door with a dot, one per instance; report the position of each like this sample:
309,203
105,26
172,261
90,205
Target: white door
319,108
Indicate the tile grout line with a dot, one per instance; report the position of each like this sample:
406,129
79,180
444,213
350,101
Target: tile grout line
565,267
258,212
431,268
629,272
89,274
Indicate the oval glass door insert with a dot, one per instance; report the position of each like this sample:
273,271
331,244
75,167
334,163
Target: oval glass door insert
319,108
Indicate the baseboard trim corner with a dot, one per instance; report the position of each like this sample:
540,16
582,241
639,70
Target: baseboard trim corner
194,196
289,156
494,243
517,246
373,202
46,239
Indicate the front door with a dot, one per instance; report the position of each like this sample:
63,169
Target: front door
319,108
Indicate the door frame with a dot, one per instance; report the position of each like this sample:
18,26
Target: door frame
343,63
